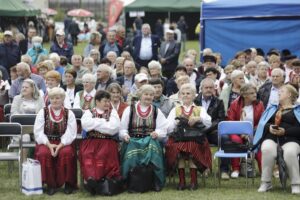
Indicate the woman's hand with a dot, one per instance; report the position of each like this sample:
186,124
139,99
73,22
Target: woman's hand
278,132
127,138
194,120
58,147
52,148
154,135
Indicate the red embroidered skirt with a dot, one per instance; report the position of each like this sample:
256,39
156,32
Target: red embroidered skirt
99,158
59,170
200,153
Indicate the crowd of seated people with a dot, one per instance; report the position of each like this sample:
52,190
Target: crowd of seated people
132,113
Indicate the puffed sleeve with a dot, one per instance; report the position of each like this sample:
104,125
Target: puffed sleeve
70,135
161,124
205,118
171,120
38,128
124,123
76,101
110,127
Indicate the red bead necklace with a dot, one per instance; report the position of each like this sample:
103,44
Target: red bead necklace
59,117
141,113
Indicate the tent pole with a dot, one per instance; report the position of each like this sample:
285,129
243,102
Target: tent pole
169,15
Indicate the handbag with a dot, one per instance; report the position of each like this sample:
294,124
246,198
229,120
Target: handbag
109,187
31,177
184,132
281,165
141,179
234,147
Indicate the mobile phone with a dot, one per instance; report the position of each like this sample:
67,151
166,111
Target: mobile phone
275,127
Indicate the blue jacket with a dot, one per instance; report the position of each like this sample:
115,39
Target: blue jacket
66,50
266,116
34,54
10,55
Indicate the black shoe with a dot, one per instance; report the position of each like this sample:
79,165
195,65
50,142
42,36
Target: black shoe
68,189
157,187
51,191
91,186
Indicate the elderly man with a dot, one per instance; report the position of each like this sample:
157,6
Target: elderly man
61,47
127,80
168,54
139,80
23,72
215,108
10,53
110,45
28,42
77,66
268,92
145,47
195,77
103,77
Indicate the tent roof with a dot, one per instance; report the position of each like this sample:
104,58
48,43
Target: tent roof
15,8
218,9
164,6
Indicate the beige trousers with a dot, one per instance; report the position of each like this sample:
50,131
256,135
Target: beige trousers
269,152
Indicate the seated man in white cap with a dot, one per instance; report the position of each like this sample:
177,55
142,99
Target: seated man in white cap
62,47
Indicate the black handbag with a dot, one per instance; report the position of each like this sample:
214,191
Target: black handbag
141,179
234,147
183,132
109,187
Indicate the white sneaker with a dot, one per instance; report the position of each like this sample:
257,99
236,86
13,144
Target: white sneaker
235,174
264,187
295,189
225,176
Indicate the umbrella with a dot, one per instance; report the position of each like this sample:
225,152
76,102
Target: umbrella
281,165
49,11
80,13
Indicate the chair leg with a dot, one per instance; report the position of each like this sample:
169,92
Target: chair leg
246,172
253,167
219,171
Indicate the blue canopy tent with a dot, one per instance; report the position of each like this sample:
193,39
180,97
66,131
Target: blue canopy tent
229,26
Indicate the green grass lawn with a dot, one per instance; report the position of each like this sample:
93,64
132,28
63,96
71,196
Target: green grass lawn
229,190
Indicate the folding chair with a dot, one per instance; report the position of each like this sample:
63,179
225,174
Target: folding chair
12,130
26,120
234,128
78,114
7,108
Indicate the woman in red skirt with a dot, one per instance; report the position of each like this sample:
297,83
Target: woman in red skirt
54,131
198,155
98,152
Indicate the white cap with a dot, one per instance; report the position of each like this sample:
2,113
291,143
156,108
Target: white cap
60,32
141,77
170,31
8,33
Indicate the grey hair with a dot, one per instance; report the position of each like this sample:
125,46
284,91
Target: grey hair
145,88
56,91
24,66
105,67
206,80
236,73
264,63
278,70
188,86
88,77
154,64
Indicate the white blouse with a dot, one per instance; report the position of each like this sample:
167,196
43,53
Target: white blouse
205,118
67,138
77,97
161,123
110,127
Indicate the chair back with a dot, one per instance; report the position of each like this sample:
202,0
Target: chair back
23,119
77,112
235,127
10,129
7,108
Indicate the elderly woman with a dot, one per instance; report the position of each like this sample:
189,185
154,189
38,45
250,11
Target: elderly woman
142,125
116,100
54,131
262,74
280,123
229,94
119,70
53,80
42,68
29,101
197,154
98,153
245,108
95,54
37,50
155,71
85,98
88,62
70,87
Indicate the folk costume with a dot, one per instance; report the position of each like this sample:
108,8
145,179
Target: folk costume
199,153
56,126
84,100
139,122
98,154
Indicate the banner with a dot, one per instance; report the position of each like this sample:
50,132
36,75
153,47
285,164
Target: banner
115,8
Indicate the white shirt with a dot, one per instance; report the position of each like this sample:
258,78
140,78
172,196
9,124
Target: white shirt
77,97
146,48
67,138
161,123
110,127
248,114
70,94
274,98
205,118
206,103
193,78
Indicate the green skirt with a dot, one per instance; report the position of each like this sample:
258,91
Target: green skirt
143,151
